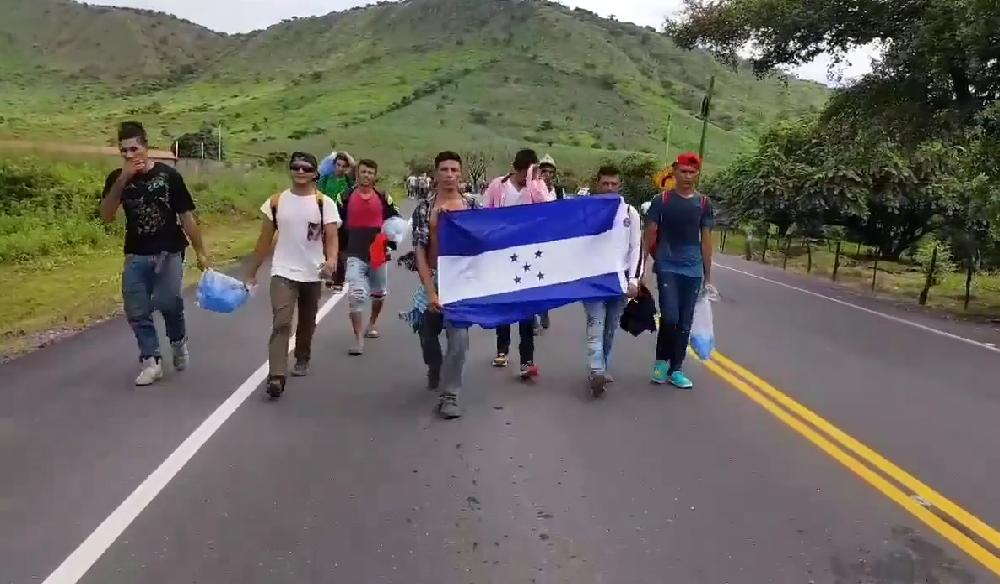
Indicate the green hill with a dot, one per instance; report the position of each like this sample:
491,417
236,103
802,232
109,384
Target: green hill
391,80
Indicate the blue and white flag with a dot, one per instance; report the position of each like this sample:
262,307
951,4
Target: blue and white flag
500,266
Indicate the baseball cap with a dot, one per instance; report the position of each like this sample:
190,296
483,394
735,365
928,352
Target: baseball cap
547,161
689,159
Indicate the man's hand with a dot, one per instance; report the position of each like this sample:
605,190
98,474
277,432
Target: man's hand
132,167
633,291
204,262
434,304
250,279
329,269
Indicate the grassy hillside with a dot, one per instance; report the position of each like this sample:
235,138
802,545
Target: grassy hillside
392,80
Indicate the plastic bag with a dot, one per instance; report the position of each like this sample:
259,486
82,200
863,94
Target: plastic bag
395,228
218,292
702,329
327,164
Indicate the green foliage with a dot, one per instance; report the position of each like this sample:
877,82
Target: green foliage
925,251
203,143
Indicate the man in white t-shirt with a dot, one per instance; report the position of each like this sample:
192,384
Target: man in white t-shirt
305,252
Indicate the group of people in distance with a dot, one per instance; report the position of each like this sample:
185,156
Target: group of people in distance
330,228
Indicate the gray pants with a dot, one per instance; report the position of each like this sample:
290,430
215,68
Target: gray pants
451,365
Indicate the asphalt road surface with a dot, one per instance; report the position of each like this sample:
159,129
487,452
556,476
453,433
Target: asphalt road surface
833,439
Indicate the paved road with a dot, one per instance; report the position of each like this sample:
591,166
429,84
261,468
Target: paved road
349,478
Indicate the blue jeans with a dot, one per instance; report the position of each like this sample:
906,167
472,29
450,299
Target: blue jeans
154,283
678,295
603,317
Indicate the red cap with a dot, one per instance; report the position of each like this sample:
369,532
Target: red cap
689,159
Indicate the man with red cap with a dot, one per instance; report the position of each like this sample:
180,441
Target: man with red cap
679,236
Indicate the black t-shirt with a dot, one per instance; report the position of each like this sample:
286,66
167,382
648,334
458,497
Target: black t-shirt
152,203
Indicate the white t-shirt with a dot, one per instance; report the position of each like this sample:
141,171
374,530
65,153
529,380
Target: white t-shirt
511,194
298,254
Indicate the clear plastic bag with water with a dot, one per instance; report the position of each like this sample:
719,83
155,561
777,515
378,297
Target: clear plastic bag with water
702,327
220,293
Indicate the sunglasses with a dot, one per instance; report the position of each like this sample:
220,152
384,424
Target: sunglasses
303,168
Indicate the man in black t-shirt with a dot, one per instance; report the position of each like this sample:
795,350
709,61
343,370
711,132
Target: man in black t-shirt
158,215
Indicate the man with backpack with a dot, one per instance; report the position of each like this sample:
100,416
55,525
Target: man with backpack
304,253
679,236
364,209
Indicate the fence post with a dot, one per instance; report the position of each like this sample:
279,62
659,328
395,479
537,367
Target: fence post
875,273
767,241
930,278
968,284
858,253
836,262
809,256
748,250
725,234
788,248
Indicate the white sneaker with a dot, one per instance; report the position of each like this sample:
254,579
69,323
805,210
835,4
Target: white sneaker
181,355
152,371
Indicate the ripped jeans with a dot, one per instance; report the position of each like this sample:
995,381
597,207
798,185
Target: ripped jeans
603,318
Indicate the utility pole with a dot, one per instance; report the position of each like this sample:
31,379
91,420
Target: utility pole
220,142
706,114
666,150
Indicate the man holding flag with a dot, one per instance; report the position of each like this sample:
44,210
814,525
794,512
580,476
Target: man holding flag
444,372
523,186
603,315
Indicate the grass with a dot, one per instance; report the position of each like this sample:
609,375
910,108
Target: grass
55,281
604,88
898,280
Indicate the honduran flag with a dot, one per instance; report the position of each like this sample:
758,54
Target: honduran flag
500,266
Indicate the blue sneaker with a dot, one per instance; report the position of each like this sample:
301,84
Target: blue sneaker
660,371
680,381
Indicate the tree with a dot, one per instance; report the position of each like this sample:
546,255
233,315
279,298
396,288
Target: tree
191,145
476,165
939,58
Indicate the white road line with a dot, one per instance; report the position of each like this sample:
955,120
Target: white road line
87,553
981,345
98,542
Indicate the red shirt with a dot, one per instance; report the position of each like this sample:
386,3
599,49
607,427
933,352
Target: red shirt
364,223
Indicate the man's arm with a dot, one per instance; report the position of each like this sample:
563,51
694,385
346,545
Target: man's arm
706,252
424,269
193,231
649,243
265,244
331,242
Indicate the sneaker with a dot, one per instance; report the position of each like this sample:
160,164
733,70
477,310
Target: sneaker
598,383
608,378
181,355
546,322
357,349
275,387
448,408
433,379
338,288
152,371
680,381
301,368
500,360
529,370
661,371
372,334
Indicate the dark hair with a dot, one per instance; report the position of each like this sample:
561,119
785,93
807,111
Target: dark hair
446,156
342,156
129,130
369,163
524,159
303,157
608,170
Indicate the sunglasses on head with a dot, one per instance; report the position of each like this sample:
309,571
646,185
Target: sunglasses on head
302,168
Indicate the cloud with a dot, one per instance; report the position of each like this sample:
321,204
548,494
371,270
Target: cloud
246,15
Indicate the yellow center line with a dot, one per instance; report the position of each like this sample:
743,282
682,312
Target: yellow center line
880,483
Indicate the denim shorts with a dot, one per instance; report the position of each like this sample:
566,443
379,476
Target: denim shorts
365,283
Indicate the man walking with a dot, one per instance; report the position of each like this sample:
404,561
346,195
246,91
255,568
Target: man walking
307,221
335,186
364,209
159,212
603,316
523,186
547,170
679,235
444,372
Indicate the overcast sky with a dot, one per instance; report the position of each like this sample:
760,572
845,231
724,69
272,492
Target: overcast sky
247,15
